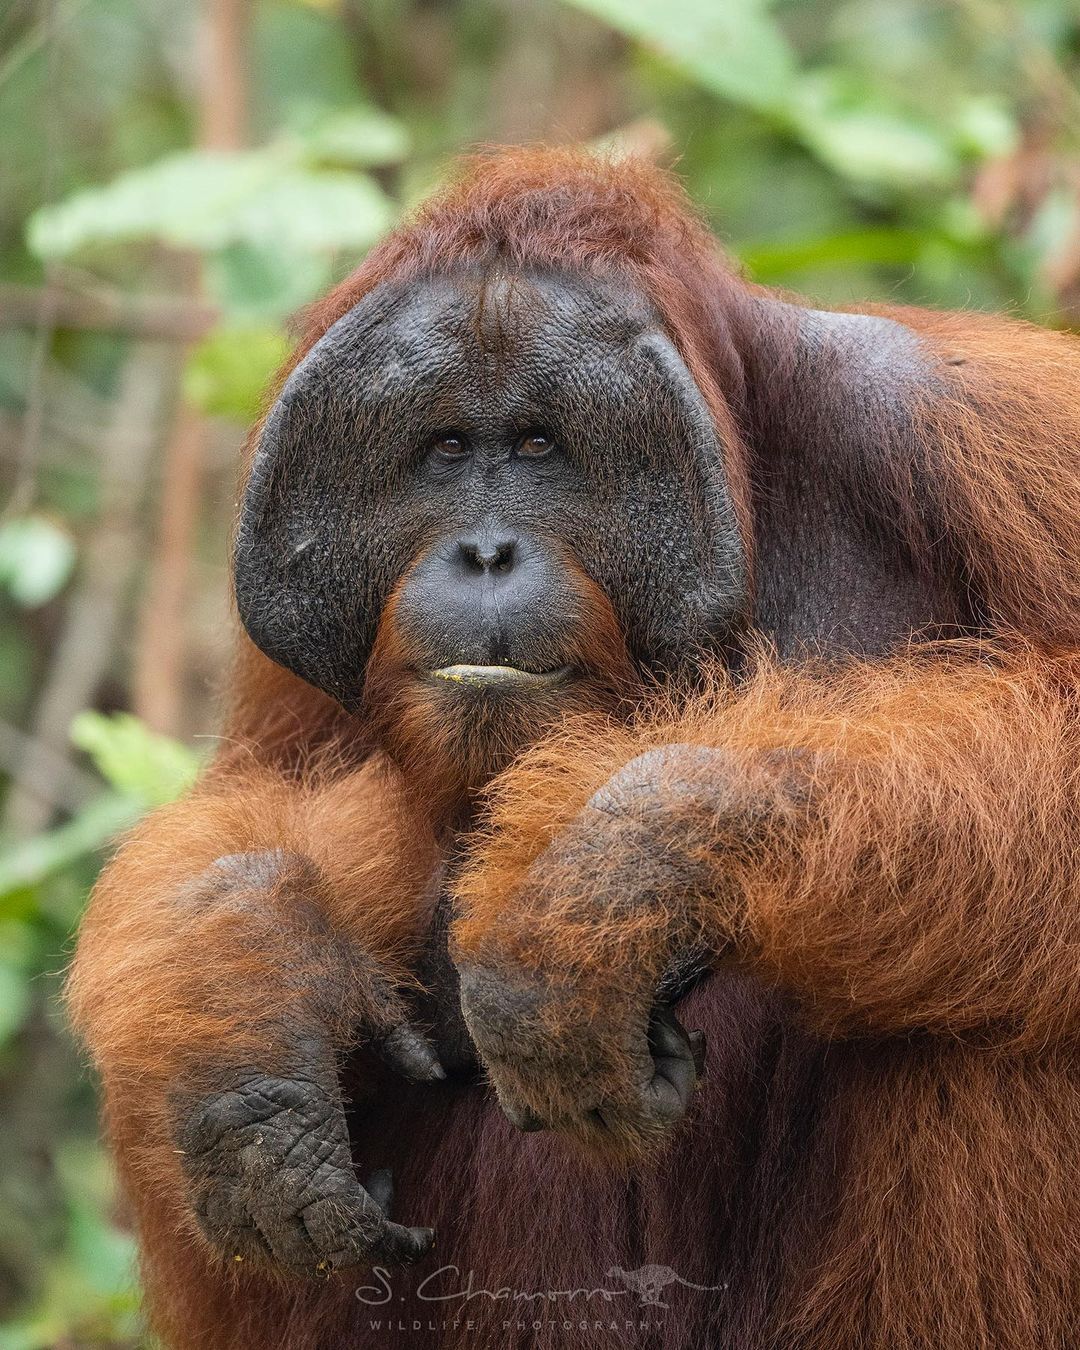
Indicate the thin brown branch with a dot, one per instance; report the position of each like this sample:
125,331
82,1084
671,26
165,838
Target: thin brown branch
92,623
26,478
162,647
158,678
223,96
149,318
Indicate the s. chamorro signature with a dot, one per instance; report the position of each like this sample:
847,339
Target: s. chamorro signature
449,1283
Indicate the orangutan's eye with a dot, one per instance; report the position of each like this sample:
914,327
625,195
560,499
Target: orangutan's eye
536,444
449,445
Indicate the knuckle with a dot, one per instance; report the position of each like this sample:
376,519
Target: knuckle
343,1224
662,1100
639,782
236,880
504,1014
264,1127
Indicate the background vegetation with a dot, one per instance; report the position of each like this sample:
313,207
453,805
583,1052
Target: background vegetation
176,179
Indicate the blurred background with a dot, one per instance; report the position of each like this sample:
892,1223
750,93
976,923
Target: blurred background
177,178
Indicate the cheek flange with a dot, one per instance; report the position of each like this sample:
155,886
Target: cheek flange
319,544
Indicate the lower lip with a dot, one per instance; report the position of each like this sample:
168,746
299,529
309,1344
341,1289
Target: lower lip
500,677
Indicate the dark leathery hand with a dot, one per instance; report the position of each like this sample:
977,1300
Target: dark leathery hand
271,1179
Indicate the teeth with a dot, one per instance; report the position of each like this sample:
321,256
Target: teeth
495,675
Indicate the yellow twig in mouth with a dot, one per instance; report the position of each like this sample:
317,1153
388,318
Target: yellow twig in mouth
487,675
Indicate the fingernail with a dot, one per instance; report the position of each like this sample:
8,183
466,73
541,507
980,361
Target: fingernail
524,1119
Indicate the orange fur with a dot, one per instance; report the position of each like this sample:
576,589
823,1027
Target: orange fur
1004,435
924,876
894,855
176,979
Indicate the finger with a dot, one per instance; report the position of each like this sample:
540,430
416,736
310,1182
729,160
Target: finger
674,1070
405,1245
380,1186
667,1035
221,1209
224,1122
352,1230
220,1122
412,1054
523,1118
276,1204
226,1223
288,1239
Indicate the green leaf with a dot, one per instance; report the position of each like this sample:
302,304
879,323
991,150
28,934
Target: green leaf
146,769
357,138
227,374
208,200
88,1291
253,284
36,558
19,937
31,861
189,199
866,140
151,768
985,128
305,209
888,246
732,47
105,1257
14,1000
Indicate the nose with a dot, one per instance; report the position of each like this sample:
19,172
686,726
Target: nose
487,594
492,554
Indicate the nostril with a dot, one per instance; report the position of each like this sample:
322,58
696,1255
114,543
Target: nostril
482,556
502,558
470,555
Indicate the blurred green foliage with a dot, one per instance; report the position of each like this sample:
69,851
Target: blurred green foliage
55,1189
36,558
893,149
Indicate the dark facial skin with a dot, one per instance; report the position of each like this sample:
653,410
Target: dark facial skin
473,446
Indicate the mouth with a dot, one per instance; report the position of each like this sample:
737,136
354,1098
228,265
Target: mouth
491,677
